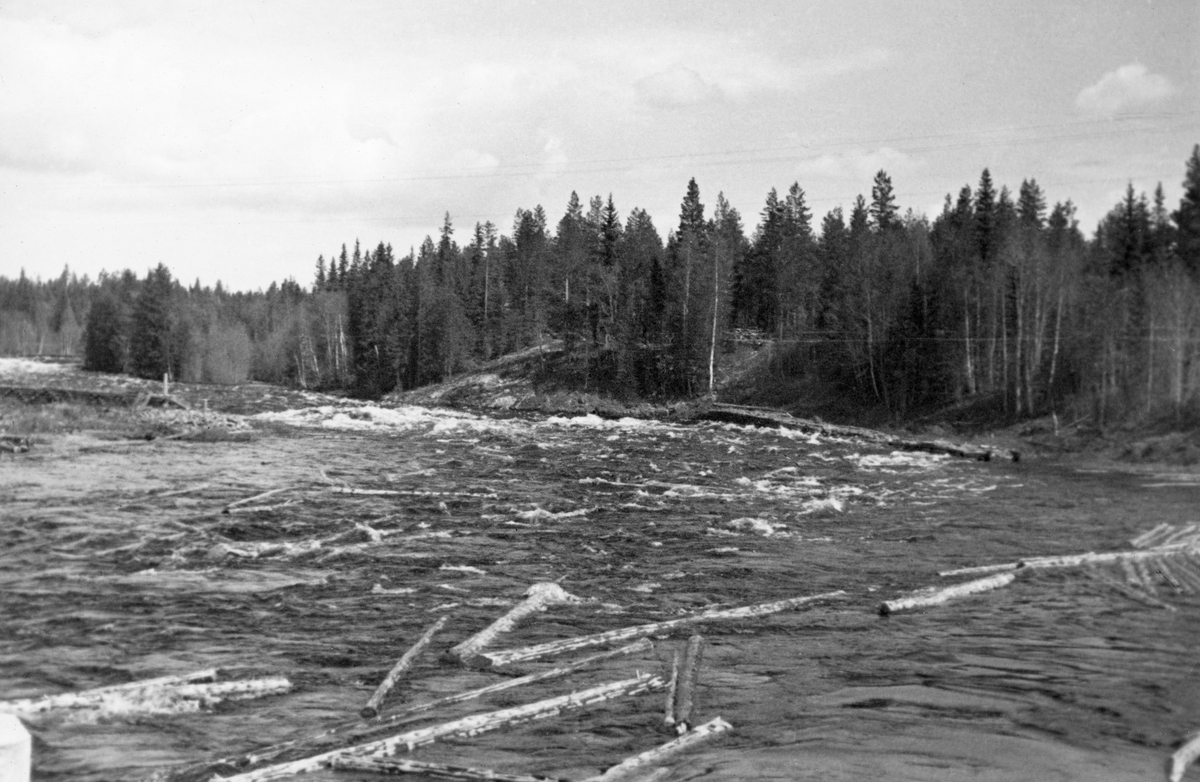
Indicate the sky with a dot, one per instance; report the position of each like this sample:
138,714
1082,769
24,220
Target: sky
237,141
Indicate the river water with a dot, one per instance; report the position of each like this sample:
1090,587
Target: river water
119,566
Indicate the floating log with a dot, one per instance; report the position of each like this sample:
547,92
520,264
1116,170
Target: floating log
931,598
1129,592
1184,572
672,686
510,656
1184,535
94,697
260,508
537,598
638,763
1145,576
685,693
349,733
1184,757
1092,558
1144,539
400,668
238,503
440,770
460,728
971,571
758,416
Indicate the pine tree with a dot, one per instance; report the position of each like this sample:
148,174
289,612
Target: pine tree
1031,204
104,345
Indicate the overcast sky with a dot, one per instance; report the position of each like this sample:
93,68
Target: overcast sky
239,140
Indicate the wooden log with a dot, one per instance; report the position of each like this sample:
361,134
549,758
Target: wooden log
256,498
1184,757
1184,535
685,694
981,569
510,656
93,697
931,598
400,668
1130,592
672,687
638,764
1184,570
461,728
1131,575
1144,539
350,733
1145,576
441,770
537,598
260,508
1092,558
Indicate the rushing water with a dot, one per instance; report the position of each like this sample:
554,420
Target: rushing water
119,566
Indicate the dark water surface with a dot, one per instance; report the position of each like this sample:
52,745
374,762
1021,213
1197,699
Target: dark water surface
1057,676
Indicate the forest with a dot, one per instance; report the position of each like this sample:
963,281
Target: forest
1000,297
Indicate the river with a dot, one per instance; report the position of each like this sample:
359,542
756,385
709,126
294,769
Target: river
119,565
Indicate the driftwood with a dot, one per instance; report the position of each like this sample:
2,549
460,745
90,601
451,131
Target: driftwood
638,763
439,770
94,697
1184,757
14,444
155,695
685,692
256,498
538,598
758,416
348,734
400,668
927,598
461,728
672,687
1145,538
1076,560
641,631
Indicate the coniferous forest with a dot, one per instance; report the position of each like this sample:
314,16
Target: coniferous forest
1001,296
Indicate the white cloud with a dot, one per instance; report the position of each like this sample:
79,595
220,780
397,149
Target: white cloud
859,164
1129,86
674,87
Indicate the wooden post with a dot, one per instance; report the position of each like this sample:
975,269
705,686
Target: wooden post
399,669
640,631
672,686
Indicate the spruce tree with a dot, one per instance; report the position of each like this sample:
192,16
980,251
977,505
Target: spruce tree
150,341
1187,217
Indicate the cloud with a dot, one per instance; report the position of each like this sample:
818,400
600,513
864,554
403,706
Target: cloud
675,87
1129,86
860,164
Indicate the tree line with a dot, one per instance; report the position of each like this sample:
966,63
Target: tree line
998,297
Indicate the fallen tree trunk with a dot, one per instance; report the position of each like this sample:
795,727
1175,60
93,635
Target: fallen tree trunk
256,498
638,763
1144,539
440,770
400,668
510,656
685,693
1184,757
460,728
538,598
1076,560
94,697
672,688
348,734
926,598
